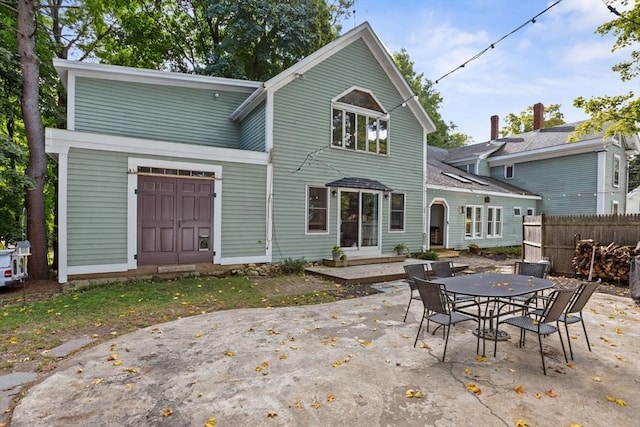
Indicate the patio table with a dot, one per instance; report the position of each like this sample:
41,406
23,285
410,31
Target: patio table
492,287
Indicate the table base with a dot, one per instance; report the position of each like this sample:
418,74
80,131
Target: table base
491,334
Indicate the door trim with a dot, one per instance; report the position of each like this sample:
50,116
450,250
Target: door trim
132,208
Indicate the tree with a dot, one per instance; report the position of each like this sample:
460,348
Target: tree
621,113
37,167
431,100
523,122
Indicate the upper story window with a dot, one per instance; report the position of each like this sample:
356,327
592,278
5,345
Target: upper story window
616,170
471,168
359,123
508,171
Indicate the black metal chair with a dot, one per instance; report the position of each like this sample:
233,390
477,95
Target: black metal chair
440,269
555,305
438,308
411,271
573,313
533,269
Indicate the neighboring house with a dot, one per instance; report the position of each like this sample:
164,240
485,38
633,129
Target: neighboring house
465,208
633,201
585,177
166,168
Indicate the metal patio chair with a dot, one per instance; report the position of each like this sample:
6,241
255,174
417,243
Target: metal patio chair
555,305
524,268
442,269
573,312
411,271
438,308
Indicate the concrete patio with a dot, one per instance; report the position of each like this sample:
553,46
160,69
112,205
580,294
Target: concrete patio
351,363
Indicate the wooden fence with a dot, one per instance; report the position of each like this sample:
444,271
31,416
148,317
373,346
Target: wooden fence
555,237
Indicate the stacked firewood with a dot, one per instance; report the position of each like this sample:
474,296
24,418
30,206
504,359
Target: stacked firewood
611,262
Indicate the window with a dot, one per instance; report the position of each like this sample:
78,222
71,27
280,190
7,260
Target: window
508,171
616,170
614,207
359,123
517,211
396,215
471,168
473,222
531,211
317,207
494,222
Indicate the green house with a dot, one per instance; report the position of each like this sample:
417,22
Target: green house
160,168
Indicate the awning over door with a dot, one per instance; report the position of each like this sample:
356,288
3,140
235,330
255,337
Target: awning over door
363,183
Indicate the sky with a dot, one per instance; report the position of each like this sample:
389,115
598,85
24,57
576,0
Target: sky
553,61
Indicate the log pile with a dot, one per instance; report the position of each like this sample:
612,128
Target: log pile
610,263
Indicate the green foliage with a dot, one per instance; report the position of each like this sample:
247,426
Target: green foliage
620,114
523,122
429,255
511,251
293,265
431,100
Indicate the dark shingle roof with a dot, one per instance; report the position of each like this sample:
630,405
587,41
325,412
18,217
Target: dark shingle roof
365,183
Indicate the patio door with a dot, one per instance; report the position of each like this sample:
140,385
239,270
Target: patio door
359,220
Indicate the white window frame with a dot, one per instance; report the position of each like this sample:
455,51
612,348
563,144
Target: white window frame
517,211
307,207
360,111
615,207
508,168
475,231
531,211
616,170
404,212
493,222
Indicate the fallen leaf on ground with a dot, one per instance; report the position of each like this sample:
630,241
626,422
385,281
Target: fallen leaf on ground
467,371
537,395
521,423
229,353
166,412
621,402
316,404
211,422
474,388
596,379
520,390
331,397
272,415
550,393
481,358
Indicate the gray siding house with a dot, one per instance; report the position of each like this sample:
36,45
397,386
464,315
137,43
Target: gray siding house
572,178
159,168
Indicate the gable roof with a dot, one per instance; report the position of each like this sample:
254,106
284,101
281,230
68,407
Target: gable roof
441,175
536,145
362,32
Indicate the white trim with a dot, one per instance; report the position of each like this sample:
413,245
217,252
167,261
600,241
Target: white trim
358,108
565,149
519,211
473,221
447,211
63,217
615,206
59,141
494,222
268,143
488,193
259,259
132,202
65,68
531,211
99,268
425,218
306,211
618,160
404,211
71,103
600,181
506,171
269,212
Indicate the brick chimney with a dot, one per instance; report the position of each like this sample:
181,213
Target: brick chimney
494,127
538,116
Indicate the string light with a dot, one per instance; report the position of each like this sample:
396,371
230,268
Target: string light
618,14
492,45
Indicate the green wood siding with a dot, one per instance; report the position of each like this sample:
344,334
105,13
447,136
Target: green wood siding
97,208
243,210
166,113
252,130
567,184
511,225
302,125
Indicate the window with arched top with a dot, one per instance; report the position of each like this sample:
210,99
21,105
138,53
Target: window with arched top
359,123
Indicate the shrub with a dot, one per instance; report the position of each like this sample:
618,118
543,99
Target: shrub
293,265
429,255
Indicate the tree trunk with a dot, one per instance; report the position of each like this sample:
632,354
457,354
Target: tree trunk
37,167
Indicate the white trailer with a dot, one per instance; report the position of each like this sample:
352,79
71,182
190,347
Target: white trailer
13,264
